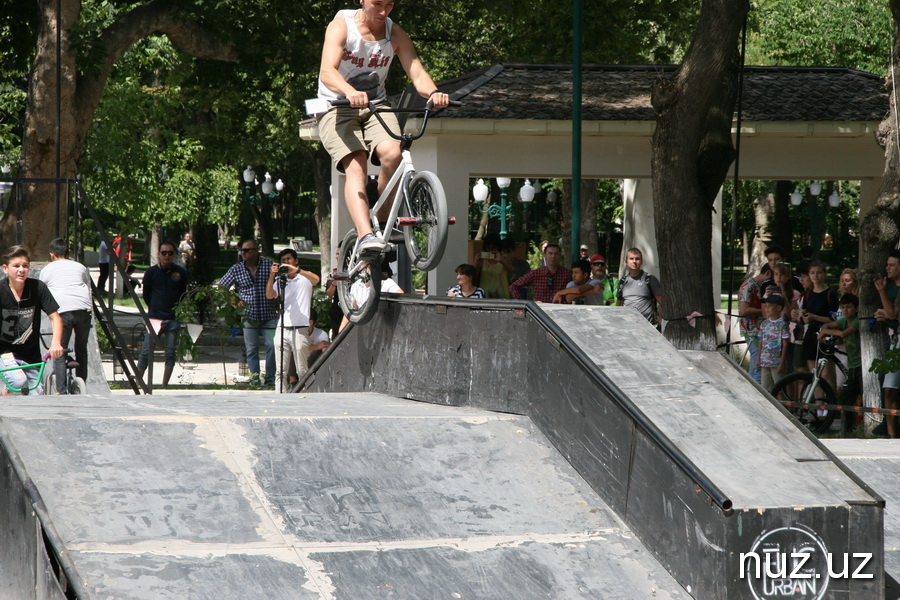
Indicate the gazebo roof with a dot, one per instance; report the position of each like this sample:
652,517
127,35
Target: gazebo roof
622,93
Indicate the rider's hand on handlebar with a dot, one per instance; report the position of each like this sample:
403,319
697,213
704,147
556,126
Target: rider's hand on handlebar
358,99
56,351
439,100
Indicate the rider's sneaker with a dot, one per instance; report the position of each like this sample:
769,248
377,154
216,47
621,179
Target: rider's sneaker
371,244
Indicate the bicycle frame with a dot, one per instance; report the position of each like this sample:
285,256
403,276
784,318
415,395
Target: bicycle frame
398,180
40,377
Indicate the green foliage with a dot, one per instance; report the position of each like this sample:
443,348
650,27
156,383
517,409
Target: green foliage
208,305
830,33
889,363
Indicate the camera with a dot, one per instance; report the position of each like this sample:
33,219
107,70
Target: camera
282,270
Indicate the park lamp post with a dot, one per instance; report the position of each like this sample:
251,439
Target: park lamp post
814,192
269,190
480,193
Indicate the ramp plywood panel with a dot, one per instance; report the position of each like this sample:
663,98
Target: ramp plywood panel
319,496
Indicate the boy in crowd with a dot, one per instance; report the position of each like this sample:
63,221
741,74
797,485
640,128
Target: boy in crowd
582,289
774,338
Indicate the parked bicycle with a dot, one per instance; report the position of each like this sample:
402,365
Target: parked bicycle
807,391
419,211
75,385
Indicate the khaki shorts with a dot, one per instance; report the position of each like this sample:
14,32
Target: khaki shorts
345,130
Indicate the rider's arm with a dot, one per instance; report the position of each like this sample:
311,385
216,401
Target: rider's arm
332,51
420,78
56,324
515,288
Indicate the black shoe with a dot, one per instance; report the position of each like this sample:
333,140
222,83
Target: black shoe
880,429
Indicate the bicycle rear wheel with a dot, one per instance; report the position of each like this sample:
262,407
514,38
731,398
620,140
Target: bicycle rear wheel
77,386
358,295
427,239
794,388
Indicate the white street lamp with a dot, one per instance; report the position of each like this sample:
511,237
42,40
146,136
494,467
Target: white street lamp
815,188
834,200
503,182
249,174
480,191
796,197
526,192
267,185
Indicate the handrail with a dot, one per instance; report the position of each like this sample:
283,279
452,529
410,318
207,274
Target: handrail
587,365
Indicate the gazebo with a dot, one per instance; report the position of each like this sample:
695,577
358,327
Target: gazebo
515,121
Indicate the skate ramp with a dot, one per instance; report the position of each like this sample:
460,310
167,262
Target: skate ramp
877,461
698,460
271,496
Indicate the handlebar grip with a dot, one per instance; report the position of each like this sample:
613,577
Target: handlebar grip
455,103
340,102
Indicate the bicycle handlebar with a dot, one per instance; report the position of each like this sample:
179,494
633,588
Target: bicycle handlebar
407,138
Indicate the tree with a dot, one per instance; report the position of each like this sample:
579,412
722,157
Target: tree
879,232
84,74
691,153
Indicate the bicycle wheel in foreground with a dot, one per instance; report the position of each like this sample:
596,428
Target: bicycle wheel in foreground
794,388
359,293
427,238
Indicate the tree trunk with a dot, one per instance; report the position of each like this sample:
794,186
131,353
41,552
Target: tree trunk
781,229
80,95
322,176
763,212
691,153
878,235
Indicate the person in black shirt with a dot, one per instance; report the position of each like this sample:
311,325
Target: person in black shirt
20,299
164,285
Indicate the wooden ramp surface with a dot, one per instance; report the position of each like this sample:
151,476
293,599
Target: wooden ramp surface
270,496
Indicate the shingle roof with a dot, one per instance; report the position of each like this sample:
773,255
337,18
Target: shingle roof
622,93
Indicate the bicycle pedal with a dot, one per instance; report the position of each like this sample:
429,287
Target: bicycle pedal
396,237
408,221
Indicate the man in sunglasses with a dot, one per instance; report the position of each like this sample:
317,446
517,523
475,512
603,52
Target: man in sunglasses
164,285
599,272
249,277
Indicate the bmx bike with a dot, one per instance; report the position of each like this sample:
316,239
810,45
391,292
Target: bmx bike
24,389
806,392
419,211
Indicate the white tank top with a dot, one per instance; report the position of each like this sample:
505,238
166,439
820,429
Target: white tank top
364,65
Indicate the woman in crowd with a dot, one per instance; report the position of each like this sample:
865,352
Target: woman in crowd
465,284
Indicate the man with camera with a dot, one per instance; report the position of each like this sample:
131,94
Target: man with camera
294,285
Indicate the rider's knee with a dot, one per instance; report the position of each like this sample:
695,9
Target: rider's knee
388,154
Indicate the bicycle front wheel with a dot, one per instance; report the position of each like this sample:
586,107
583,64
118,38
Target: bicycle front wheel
358,295
49,381
794,388
426,240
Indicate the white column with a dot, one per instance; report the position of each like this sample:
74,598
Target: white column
638,226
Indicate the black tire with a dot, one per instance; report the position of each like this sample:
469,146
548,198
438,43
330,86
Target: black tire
426,241
358,314
77,387
784,390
